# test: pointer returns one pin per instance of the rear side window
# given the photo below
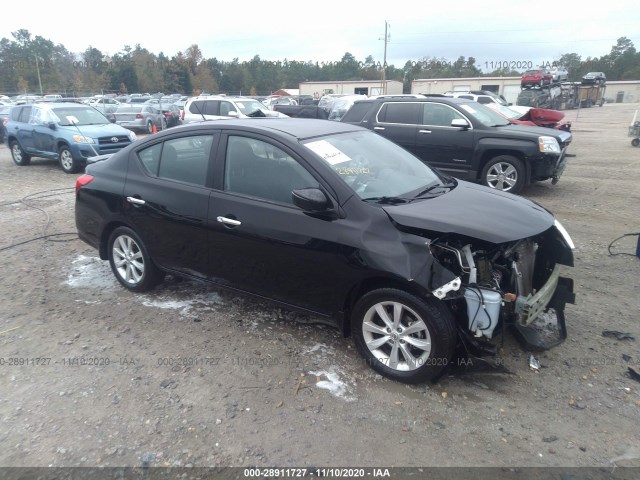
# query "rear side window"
(205, 107)
(405, 113)
(182, 159)
(484, 100)
(25, 114)
(356, 113)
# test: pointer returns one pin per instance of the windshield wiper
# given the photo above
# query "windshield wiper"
(433, 187)
(387, 200)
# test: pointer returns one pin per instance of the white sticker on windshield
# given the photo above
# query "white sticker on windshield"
(328, 152)
(71, 119)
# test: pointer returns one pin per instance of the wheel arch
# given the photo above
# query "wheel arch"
(490, 154)
(367, 285)
(106, 233)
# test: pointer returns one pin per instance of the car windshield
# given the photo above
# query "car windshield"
(79, 116)
(372, 166)
(505, 111)
(250, 106)
(532, 72)
(484, 115)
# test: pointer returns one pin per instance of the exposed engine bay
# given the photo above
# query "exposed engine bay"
(509, 284)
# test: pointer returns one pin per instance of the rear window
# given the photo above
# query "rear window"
(205, 107)
(404, 113)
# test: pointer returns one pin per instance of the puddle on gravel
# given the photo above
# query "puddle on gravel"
(201, 301)
(331, 380)
(90, 272)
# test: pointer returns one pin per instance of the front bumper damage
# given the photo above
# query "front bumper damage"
(551, 298)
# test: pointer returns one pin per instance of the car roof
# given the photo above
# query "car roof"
(426, 98)
(297, 128)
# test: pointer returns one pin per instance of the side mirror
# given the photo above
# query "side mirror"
(51, 125)
(233, 113)
(311, 200)
(460, 123)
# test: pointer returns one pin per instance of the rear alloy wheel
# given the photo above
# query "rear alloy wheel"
(401, 336)
(130, 261)
(19, 157)
(67, 163)
(149, 127)
(505, 173)
(163, 124)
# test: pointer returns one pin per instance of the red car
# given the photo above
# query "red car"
(538, 77)
(535, 117)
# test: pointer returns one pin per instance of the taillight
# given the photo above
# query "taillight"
(181, 114)
(82, 181)
(5, 121)
(139, 115)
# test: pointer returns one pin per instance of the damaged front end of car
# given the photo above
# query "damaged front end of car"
(513, 285)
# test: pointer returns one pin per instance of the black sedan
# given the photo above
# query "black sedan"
(334, 220)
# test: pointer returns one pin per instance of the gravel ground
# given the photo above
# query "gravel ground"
(190, 375)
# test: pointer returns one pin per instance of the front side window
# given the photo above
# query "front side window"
(183, 159)
(262, 170)
(438, 114)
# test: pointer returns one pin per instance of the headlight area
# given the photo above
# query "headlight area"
(83, 139)
(514, 285)
(548, 145)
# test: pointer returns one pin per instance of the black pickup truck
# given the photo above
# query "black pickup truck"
(466, 139)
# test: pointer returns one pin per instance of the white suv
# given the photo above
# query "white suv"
(216, 108)
(479, 96)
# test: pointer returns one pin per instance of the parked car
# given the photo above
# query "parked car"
(466, 139)
(105, 104)
(198, 109)
(341, 105)
(546, 97)
(333, 220)
(479, 96)
(560, 74)
(68, 132)
(537, 77)
(140, 117)
(534, 117)
(171, 113)
(327, 100)
(594, 78)
(4, 118)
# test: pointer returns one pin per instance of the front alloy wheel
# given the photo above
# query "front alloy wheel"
(402, 336)
(505, 173)
(67, 163)
(130, 262)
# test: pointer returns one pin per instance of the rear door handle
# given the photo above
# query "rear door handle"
(424, 131)
(136, 201)
(378, 128)
(229, 221)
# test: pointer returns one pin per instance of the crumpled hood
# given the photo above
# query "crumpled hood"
(477, 212)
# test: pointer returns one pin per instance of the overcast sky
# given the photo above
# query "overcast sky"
(493, 32)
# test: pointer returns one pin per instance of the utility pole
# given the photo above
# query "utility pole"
(384, 63)
(38, 70)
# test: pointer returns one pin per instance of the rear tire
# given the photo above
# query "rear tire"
(130, 261)
(402, 336)
(19, 157)
(505, 173)
(635, 142)
(149, 127)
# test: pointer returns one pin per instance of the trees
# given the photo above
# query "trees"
(139, 70)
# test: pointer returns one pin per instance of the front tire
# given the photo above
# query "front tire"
(67, 162)
(401, 336)
(19, 157)
(149, 127)
(130, 261)
(635, 142)
(505, 173)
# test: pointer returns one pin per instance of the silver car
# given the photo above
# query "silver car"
(140, 117)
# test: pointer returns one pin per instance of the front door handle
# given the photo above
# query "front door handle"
(229, 221)
(378, 128)
(424, 131)
(136, 201)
